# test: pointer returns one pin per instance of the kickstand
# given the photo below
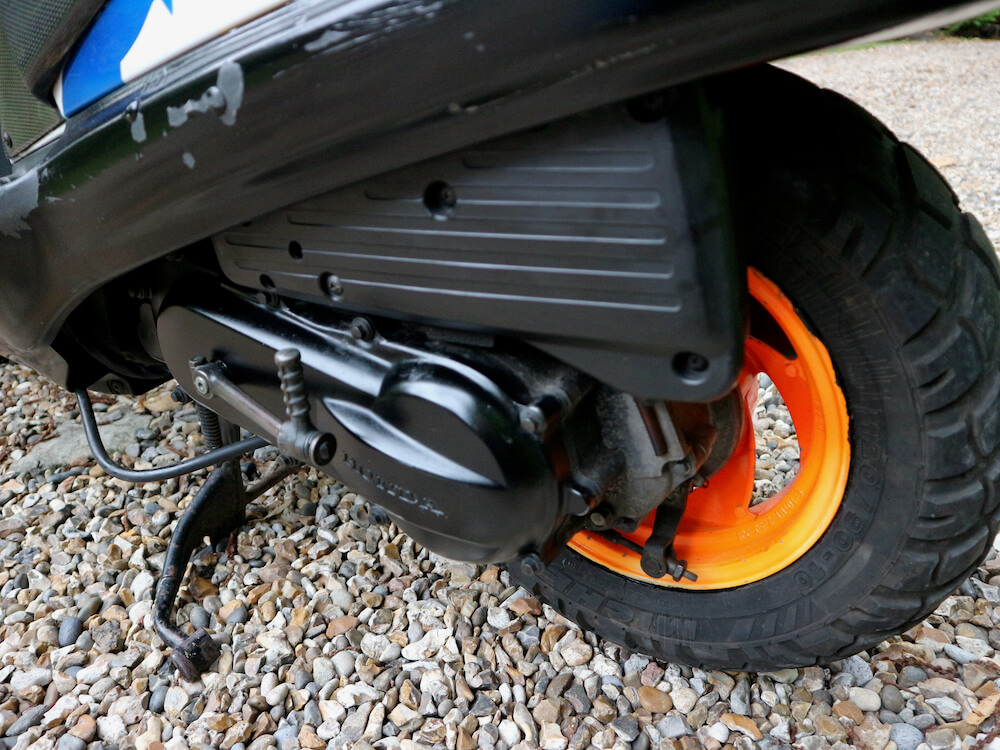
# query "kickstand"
(215, 512)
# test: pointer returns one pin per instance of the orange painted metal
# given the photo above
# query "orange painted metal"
(726, 542)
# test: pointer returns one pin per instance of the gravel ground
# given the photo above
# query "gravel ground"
(940, 96)
(340, 633)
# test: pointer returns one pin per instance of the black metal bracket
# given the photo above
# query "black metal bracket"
(658, 557)
(216, 511)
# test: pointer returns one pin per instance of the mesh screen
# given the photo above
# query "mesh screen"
(22, 116)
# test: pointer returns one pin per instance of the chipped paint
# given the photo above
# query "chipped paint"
(223, 99)
(18, 197)
(230, 81)
(188, 159)
(328, 38)
(138, 128)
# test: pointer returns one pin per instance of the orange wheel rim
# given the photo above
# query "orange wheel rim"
(726, 542)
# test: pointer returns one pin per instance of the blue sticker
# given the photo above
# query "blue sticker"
(96, 67)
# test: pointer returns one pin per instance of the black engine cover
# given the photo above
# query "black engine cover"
(436, 442)
(601, 239)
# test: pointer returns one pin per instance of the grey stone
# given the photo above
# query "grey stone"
(70, 443)
(28, 719)
(69, 630)
(905, 736)
(858, 668)
(199, 618)
(892, 699)
(157, 698)
(672, 726)
(626, 727)
(69, 742)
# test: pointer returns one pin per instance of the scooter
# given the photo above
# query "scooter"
(516, 273)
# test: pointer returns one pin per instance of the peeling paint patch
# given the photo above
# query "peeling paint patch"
(18, 198)
(138, 127)
(328, 38)
(230, 81)
(188, 159)
(212, 100)
(223, 99)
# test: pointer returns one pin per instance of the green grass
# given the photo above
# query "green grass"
(984, 25)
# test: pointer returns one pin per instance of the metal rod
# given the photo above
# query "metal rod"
(259, 488)
(212, 458)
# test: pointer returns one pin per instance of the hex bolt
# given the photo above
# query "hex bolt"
(362, 329)
(531, 564)
(180, 396)
(532, 420)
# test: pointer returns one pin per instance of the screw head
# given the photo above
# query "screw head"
(531, 564)
(132, 111)
(598, 520)
(201, 385)
(331, 285)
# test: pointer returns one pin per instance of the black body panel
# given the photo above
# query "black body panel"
(321, 94)
(576, 237)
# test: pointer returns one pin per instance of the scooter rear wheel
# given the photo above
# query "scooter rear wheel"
(863, 249)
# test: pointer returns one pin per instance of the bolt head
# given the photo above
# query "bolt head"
(532, 420)
(680, 468)
(201, 385)
(323, 450)
(531, 564)
(598, 520)
(332, 285)
(362, 329)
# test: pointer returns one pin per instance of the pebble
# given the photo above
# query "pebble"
(157, 699)
(28, 719)
(905, 736)
(866, 700)
(69, 742)
(684, 699)
(175, 701)
(69, 630)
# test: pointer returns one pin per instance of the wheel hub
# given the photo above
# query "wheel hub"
(725, 540)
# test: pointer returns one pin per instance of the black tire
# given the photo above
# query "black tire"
(867, 240)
